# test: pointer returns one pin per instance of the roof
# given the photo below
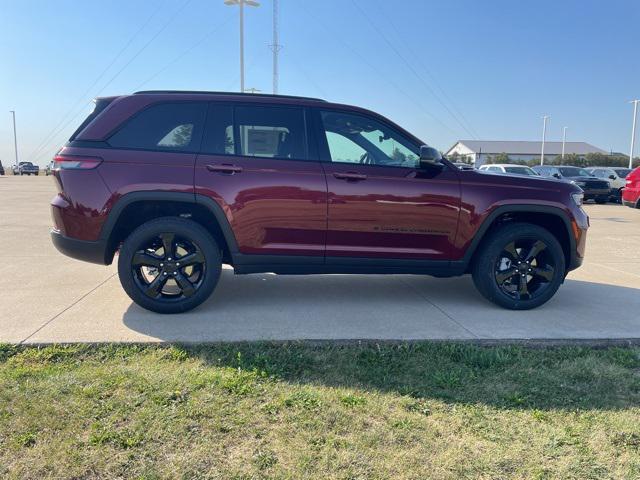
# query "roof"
(245, 94)
(528, 148)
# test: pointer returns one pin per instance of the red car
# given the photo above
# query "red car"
(180, 182)
(631, 192)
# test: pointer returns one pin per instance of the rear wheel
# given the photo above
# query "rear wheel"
(519, 267)
(169, 265)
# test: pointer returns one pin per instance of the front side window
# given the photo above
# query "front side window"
(270, 132)
(573, 172)
(167, 126)
(358, 139)
(520, 170)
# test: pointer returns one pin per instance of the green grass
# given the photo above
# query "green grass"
(244, 411)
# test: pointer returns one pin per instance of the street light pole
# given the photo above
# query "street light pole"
(544, 135)
(564, 139)
(633, 130)
(15, 137)
(242, 3)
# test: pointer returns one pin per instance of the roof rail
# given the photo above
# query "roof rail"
(200, 92)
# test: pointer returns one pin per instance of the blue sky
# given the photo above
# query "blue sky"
(443, 70)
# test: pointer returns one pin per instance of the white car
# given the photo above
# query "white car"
(508, 168)
(616, 176)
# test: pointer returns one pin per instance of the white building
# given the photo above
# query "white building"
(478, 151)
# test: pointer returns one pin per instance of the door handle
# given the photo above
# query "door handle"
(353, 176)
(224, 168)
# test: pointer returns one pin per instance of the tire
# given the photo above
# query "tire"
(156, 281)
(601, 200)
(542, 276)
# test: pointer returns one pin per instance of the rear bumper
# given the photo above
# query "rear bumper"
(93, 252)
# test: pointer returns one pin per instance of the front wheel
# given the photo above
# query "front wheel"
(519, 266)
(169, 265)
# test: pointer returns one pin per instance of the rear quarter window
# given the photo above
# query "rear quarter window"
(163, 127)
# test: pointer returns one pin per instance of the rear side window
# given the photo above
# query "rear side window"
(270, 132)
(219, 136)
(166, 126)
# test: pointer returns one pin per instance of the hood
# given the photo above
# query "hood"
(526, 181)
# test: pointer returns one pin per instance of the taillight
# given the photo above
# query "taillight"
(73, 162)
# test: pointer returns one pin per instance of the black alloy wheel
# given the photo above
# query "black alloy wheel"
(524, 269)
(519, 266)
(169, 265)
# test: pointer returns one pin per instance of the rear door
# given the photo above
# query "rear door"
(255, 163)
(381, 203)
(154, 150)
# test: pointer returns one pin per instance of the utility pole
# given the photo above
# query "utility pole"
(633, 130)
(275, 47)
(15, 137)
(564, 139)
(242, 3)
(544, 134)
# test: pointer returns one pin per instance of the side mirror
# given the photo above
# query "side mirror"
(429, 156)
(612, 177)
(557, 175)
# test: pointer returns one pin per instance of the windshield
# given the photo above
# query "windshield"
(29, 164)
(573, 172)
(622, 172)
(520, 170)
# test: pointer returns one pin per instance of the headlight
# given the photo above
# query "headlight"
(577, 198)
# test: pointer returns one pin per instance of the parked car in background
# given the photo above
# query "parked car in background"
(631, 192)
(593, 187)
(615, 176)
(15, 170)
(464, 166)
(508, 168)
(181, 182)
(48, 168)
(28, 168)
(1, 168)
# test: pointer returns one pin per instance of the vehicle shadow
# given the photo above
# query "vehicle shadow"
(399, 307)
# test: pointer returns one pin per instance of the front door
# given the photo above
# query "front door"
(381, 203)
(254, 162)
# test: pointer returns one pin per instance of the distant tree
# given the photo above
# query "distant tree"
(602, 160)
(501, 158)
(571, 159)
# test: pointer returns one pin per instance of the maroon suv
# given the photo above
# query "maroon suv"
(181, 182)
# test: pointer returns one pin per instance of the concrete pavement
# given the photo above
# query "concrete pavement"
(47, 297)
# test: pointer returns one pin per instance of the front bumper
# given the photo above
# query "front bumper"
(590, 193)
(92, 252)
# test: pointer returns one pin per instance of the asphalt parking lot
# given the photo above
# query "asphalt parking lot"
(47, 297)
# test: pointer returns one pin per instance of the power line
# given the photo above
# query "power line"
(54, 131)
(410, 67)
(186, 51)
(144, 47)
(136, 55)
(430, 75)
(380, 73)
